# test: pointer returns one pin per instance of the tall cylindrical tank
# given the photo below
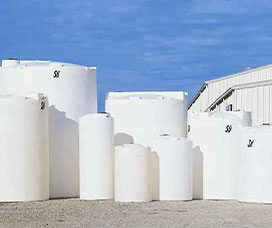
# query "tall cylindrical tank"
(24, 155)
(171, 168)
(254, 164)
(71, 91)
(139, 118)
(215, 142)
(96, 155)
(132, 173)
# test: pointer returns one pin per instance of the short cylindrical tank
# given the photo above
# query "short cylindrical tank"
(254, 164)
(244, 118)
(24, 155)
(132, 173)
(215, 142)
(139, 118)
(71, 91)
(96, 155)
(10, 62)
(171, 168)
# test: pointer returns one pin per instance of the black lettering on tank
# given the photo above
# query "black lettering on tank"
(250, 143)
(228, 128)
(56, 74)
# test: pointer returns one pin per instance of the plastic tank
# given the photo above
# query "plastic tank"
(243, 117)
(71, 91)
(96, 153)
(171, 168)
(132, 173)
(140, 117)
(24, 155)
(215, 143)
(254, 169)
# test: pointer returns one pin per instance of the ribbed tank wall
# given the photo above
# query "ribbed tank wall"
(171, 168)
(96, 150)
(141, 118)
(71, 91)
(254, 165)
(215, 142)
(24, 154)
(132, 173)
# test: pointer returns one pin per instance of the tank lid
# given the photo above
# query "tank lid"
(165, 135)
(36, 63)
(95, 115)
(132, 145)
(165, 138)
(145, 97)
(10, 62)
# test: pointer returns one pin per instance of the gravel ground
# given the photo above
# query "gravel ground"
(78, 213)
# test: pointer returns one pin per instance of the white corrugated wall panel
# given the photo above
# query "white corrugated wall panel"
(244, 99)
(255, 106)
(261, 104)
(270, 105)
(266, 109)
(204, 100)
(248, 100)
(217, 88)
(255, 76)
(269, 73)
(210, 93)
(238, 100)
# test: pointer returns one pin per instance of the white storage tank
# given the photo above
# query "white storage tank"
(171, 168)
(132, 173)
(71, 91)
(244, 118)
(96, 154)
(254, 167)
(215, 143)
(140, 117)
(24, 155)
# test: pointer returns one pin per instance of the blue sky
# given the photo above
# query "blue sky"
(141, 44)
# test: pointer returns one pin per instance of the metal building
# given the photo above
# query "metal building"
(249, 90)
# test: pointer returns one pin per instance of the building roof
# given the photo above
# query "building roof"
(238, 74)
(203, 87)
(230, 91)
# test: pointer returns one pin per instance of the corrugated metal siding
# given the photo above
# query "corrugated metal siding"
(257, 100)
(217, 87)
(266, 114)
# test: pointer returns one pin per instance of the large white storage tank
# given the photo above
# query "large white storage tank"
(96, 155)
(132, 173)
(171, 168)
(254, 167)
(215, 142)
(71, 91)
(140, 117)
(24, 155)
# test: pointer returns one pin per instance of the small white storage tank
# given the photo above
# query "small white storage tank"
(96, 154)
(244, 118)
(215, 142)
(24, 155)
(255, 169)
(171, 168)
(140, 117)
(71, 91)
(132, 173)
